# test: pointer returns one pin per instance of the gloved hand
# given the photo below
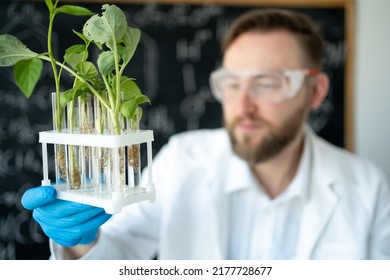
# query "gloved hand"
(67, 223)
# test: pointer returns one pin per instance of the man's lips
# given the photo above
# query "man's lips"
(249, 125)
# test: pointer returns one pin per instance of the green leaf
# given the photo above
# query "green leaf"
(140, 112)
(130, 89)
(142, 99)
(100, 46)
(66, 97)
(69, 95)
(78, 84)
(128, 108)
(49, 4)
(74, 10)
(130, 41)
(106, 62)
(27, 74)
(13, 50)
(74, 55)
(87, 70)
(85, 94)
(109, 28)
(81, 36)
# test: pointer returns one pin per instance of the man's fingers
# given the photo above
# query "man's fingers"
(36, 197)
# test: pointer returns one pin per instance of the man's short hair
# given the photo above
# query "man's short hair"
(265, 20)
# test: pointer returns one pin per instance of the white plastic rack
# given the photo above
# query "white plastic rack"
(113, 201)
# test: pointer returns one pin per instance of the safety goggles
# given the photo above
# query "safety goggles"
(265, 86)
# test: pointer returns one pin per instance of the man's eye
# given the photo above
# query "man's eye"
(231, 85)
(267, 83)
(267, 86)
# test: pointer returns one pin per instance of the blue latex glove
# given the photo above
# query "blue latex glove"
(67, 223)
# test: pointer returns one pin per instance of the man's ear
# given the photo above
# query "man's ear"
(320, 87)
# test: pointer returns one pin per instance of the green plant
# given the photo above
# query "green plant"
(118, 94)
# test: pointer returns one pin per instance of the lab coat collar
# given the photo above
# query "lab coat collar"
(239, 176)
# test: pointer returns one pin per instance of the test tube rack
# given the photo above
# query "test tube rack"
(112, 201)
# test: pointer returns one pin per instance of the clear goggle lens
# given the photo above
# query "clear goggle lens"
(268, 86)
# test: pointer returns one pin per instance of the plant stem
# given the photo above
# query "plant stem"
(81, 79)
(54, 68)
(115, 121)
(109, 92)
(117, 127)
(70, 116)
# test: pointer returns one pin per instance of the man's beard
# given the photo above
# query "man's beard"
(271, 144)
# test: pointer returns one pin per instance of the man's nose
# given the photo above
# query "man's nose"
(246, 101)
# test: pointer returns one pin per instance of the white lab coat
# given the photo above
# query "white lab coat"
(346, 215)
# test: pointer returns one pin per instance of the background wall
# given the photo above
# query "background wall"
(372, 82)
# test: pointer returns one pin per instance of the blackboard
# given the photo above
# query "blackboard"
(179, 48)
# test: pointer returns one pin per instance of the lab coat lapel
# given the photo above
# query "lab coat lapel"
(218, 217)
(195, 228)
(320, 201)
(212, 240)
(318, 210)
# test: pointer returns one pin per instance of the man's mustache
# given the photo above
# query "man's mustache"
(249, 118)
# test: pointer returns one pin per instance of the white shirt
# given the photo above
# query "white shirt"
(264, 228)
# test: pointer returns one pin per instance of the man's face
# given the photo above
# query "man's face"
(260, 130)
